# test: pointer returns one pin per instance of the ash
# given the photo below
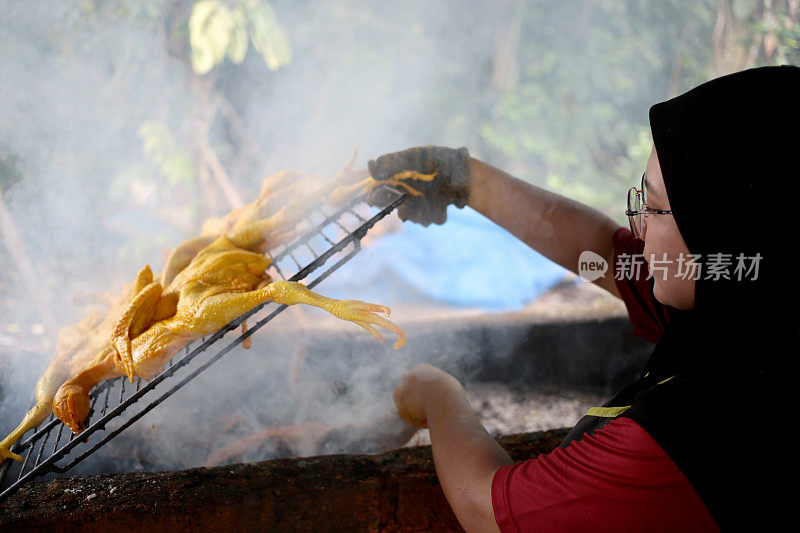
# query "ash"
(504, 410)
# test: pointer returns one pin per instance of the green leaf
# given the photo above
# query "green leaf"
(202, 57)
(237, 48)
(266, 34)
(210, 27)
(277, 52)
(218, 32)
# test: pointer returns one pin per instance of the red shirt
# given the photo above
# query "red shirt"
(617, 478)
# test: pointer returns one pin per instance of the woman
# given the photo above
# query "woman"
(705, 439)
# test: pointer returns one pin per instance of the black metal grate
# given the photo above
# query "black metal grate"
(334, 238)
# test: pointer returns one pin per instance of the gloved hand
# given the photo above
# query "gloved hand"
(449, 186)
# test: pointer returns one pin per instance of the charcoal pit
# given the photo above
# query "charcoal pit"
(395, 491)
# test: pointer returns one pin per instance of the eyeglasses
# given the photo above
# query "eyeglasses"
(637, 209)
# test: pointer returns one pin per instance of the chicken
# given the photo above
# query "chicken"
(222, 282)
(84, 342)
(207, 281)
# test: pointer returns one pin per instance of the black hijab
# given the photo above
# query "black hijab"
(729, 153)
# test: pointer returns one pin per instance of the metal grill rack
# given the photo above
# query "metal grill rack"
(334, 238)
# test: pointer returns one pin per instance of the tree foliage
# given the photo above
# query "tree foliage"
(217, 31)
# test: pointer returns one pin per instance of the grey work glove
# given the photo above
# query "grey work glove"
(450, 186)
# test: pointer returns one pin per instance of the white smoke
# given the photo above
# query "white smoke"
(78, 80)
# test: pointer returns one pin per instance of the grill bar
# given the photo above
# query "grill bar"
(108, 413)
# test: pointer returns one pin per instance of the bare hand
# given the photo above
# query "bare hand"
(418, 391)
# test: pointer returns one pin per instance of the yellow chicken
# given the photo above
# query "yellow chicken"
(209, 280)
(222, 282)
(76, 347)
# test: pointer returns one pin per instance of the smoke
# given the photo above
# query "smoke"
(92, 204)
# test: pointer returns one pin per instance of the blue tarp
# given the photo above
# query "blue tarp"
(469, 261)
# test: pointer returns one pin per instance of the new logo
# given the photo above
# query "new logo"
(591, 266)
